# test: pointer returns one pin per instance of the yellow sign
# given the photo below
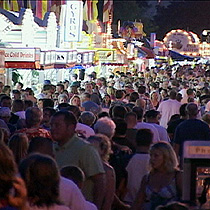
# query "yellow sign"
(106, 55)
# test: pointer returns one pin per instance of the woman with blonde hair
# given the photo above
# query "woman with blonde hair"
(103, 145)
(164, 182)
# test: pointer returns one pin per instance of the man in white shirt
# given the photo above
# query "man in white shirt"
(142, 125)
(138, 164)
(152, 117)
(168, 108)
(84, 131)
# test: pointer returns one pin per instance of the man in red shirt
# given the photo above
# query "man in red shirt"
(33, 120)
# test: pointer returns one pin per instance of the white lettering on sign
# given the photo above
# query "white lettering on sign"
(47, 58)
(13, 55)
(85, 58)
(79, 58)
(42, 57)
(53, 57)
(74, 56)
(70, 57)
(73, 21)
(90, 57)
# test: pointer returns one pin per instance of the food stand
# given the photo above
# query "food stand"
(196, 176)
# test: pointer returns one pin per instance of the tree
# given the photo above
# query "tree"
(125, 10)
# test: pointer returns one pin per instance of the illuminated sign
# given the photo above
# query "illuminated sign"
(196, 149)
(47, 58)
(42, 57)
(106, 55)
(72, 57)
(73, 21)
(79, 58)
(20, 55)
(85, 58)
(91, 57)
(183, 42)
(199, 150)
(61, 57)
(86, 41)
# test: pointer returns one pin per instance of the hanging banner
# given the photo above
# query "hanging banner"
(73, 21)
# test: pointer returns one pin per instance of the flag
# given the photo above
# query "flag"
(14, 5)
(39, 8)
(20, 4)
(95, 10)
(107, 10)
(6, 5)
(33, 6)
(87, 11)
(42, 6)
(90, 10)
(29, 6)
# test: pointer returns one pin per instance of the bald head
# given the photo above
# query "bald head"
(33, 117)
(192, 110)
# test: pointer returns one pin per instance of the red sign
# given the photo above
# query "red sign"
(23, 65)
(22, 58)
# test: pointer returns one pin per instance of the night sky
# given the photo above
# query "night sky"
(163, 16)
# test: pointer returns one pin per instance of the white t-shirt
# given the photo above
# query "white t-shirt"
(162, 132)
(137, 167)
(167, 109)
(85, 130)
(143, 125)
(71, 195)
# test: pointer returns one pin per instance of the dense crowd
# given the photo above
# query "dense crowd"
(102, 143)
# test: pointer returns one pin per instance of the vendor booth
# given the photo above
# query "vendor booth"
(196, 177)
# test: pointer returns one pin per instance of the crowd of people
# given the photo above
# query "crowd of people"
(102, 143)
